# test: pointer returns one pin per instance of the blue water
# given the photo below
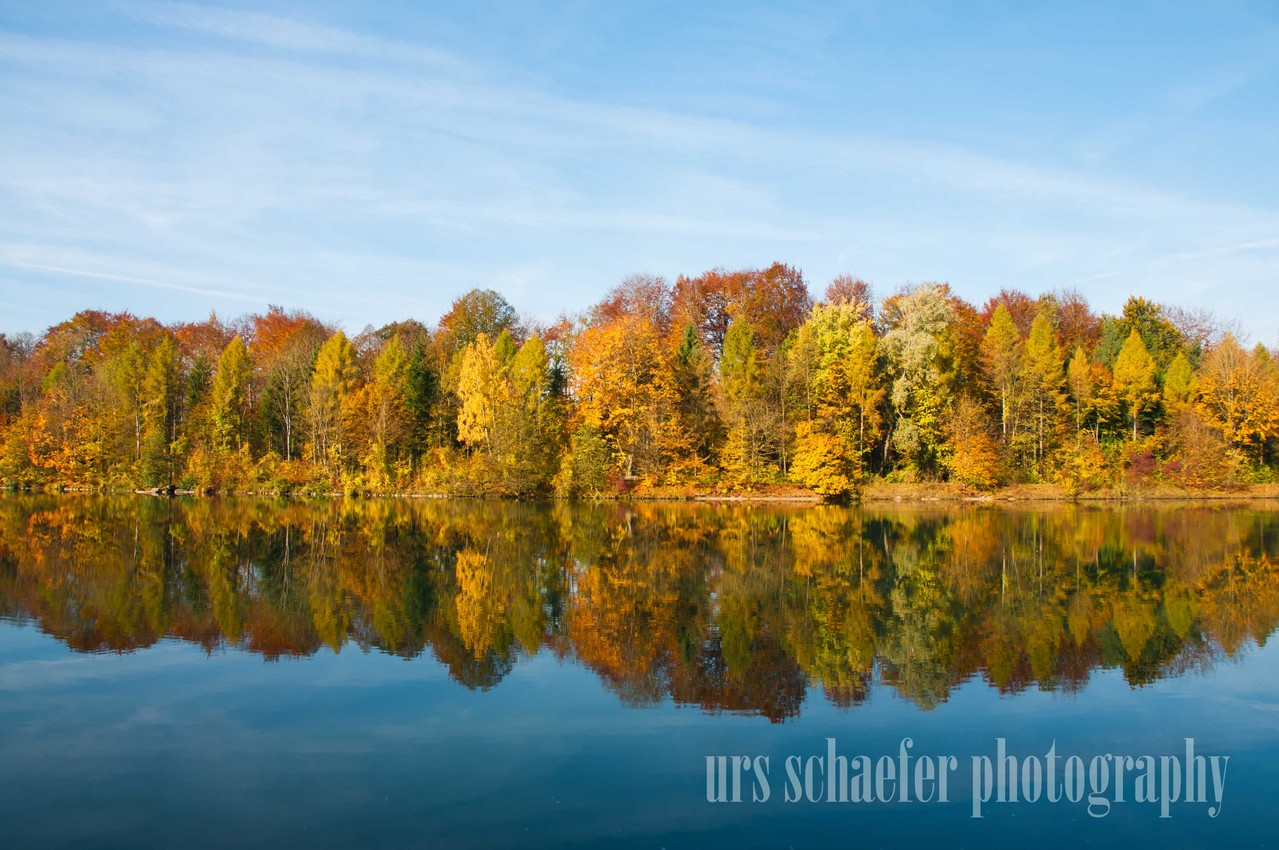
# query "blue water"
(515, 676)
(169, 747)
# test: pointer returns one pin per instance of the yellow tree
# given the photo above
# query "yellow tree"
(229, 395)
(1079, 379)
(1240, 393)
(480, 384)
(973, 456)
(846, 386)
(510, 412)
(386, 410)
(839, 349)
(1179, 385)
(623, 387)
(1043, 381)
(824, 461)
(1001, 354)
(534, 419)
(331, 382)
(1135, 377)
(162, 400)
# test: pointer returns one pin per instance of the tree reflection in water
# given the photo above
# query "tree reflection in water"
(739, 609)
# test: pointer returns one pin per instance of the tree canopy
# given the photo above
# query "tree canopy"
(720, 381)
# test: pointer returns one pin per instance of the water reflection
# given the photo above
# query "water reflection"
(728, 608)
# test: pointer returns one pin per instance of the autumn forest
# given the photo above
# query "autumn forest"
(726, 382)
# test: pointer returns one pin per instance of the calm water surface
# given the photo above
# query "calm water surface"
(217, 673)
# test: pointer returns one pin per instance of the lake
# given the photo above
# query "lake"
(430, 673)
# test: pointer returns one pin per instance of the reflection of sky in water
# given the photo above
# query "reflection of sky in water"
(168, 747)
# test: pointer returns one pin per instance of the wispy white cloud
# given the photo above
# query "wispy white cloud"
(259, 157)
(285, 33)
(1079, 281)
(119, 278)
(1188, 95)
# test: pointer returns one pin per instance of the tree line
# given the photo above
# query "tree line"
(723, 381)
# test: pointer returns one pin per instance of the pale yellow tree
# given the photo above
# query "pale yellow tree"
(1043, 382)
(1179, 385)
(479, 390)
(1001, 355)
(331, 383)
(1135, 378)
(1079, 379)
(386, 411)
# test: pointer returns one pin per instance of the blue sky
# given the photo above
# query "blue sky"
(370, 162)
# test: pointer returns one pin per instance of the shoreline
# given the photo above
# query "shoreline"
(876, 493)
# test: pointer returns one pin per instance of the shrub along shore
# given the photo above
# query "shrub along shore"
(871, 492)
